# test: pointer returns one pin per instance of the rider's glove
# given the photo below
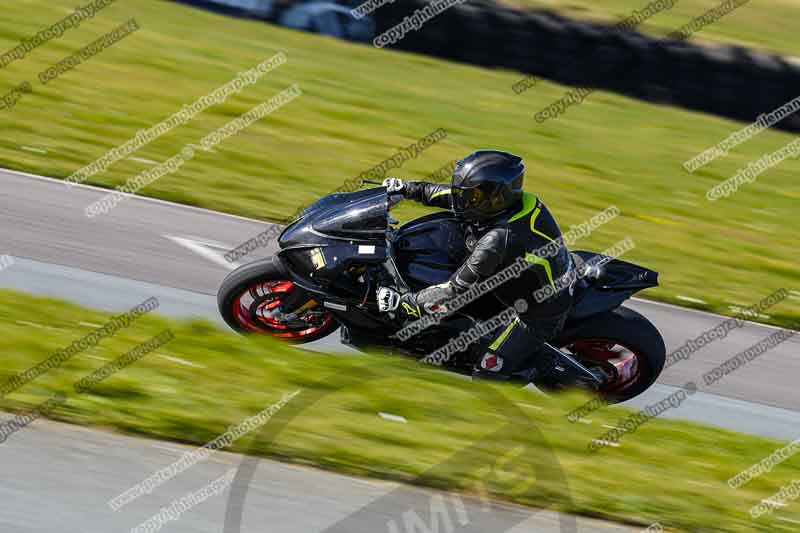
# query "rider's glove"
(393, 185)
(388, 299)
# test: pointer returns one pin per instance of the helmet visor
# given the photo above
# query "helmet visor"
(480, 199)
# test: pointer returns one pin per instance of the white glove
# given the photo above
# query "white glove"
(393, 185)
(388, 299)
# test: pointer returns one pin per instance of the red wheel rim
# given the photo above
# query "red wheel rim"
(259, 308)
(624, 364)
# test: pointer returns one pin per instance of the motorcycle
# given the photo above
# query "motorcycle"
(343, 247)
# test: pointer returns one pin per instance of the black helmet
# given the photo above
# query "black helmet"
(486, 183)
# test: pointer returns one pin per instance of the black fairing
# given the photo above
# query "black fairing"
(607, 286)
(335, 235)
(429, 249)
(359, 216)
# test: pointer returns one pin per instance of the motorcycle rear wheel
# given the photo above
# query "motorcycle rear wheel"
(625, 344)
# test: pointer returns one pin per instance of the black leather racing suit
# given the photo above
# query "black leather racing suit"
(498, 243)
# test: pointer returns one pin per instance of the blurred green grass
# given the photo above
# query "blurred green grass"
(361, 104)
(764, 24)
(668, 471)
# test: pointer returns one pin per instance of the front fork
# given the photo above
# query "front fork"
(294, 304)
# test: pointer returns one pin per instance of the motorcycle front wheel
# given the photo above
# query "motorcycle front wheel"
(259, 298)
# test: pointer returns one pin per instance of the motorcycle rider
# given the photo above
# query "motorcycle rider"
(502, 224)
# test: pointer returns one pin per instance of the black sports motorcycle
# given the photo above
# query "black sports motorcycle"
(343, 247)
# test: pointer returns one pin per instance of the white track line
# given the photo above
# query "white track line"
(35, 325)
(35, 150)
(171, 449)
(202, 248)
(393, 418)
(707, 313)
(179, 361)
(690, 299)
(140, 160)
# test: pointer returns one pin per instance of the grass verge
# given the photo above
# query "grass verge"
(191, 389)
(360, 105)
